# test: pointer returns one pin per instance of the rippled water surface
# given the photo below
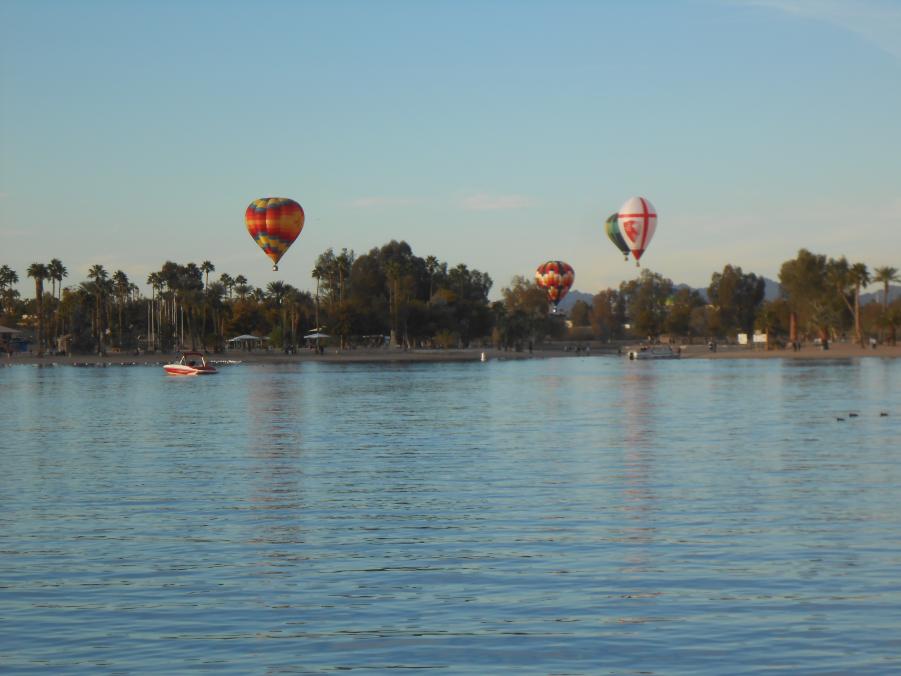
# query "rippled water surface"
(573, 515)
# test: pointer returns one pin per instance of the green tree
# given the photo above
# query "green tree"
(860, 277)
(681, 305)
(121, 289)
(803, 281)
(526, 314)
(57, 272)
(431, 265)
(580, 314)
(885, 275)
(276, 292)
(38, 272)
(8, 279)
(735, 297)
(847, 280)
(646, 302)
(207, 267)
(773, 318)
(228, 283)
(608, 314)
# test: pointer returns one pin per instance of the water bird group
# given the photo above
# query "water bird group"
(882, 414)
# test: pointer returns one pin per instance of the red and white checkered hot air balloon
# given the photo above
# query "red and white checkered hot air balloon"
(555, 277)
(637, 223)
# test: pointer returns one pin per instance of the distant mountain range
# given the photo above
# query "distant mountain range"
(772, 291)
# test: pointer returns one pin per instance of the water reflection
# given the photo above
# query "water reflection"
(447, 515)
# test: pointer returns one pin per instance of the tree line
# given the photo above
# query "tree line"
(389, 294)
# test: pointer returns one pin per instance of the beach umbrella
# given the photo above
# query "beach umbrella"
(637, 223)
(274, 223)
(556, 278)
(611, 227)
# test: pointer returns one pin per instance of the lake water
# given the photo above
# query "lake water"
(579, 516)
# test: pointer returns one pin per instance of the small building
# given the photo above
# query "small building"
(759, 338)
(246, 342)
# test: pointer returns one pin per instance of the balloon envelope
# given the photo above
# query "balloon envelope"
(637, 223)
(611, 227)
(555, 277)
(274, 223)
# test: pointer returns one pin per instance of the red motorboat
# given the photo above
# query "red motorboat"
(190, 364)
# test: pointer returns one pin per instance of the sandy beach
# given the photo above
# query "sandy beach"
(396, 355)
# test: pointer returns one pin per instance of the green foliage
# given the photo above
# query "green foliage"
(423, 301)
(735, 297)
(682, 307)
(580, 314)
(646, 302)
(608, 315)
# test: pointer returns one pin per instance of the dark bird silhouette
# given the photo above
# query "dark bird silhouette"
(882, 414)
(852, 415)
(839, 418)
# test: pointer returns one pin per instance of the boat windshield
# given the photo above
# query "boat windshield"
(191, 360)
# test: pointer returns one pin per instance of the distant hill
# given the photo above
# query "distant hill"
(894, 292)
(570, 299)
(772, 291)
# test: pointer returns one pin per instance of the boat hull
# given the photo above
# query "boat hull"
(182, 370)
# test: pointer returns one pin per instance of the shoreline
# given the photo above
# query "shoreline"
(396, 355)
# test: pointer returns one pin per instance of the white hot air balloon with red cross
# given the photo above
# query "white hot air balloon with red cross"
(637, 223)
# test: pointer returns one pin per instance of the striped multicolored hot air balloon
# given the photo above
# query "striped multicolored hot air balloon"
(611, 227)
(637, 223)
(555, 277)
(274, 223)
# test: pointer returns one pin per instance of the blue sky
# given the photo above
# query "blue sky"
(499, 134)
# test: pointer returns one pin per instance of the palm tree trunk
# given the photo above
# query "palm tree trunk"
(39, 309)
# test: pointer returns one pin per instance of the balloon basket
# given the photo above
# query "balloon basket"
(274, 268)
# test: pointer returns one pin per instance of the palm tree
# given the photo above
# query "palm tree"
(8, 279)
(155, 281)
(206, 267)
(212, 299)
(227, 283)
(38, 272)
(392, 273)
(885, 276)
(57, 271)
(277, 291)
(318, 274)
(121, 287)
(859, 276)
(843, 277)
(241, 286)
(344, 262)
(431, 265)
(100, 277)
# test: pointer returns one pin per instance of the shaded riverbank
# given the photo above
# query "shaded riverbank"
(389, 355)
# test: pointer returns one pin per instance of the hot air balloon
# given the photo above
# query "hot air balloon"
(274, 223)
(637, 222)
(611, 227)
(555, 277)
